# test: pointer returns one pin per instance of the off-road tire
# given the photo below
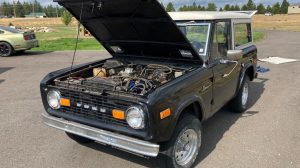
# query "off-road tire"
(166, 157)
(236, 103)
(5, 49)
(79, 139)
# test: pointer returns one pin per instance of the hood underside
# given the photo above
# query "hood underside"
(139, 28)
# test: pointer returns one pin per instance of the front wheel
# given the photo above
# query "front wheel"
(239, 103)
(183, 148)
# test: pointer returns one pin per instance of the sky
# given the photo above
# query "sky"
(178, 3)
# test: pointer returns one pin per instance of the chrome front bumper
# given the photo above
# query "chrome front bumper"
(116, 140)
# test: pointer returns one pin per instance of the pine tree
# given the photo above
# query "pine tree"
(170, 7)
(19, 9)
(261, 9)
(66, 18)
(244, 8)
(251, 5)
(276, 8)
(269, 9)
(237, 7)
(284, 7)
(227, 7)
(211, 7)
(232, 8)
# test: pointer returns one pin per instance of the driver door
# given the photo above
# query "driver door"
(224, 87)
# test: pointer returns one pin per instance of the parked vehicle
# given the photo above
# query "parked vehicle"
(14, 40)
(268, 14)
(169, 73)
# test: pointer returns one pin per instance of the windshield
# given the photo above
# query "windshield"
(197, 34)
(11, 30)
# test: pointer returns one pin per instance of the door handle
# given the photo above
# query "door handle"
(206, 86)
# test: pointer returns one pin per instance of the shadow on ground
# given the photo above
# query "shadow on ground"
(4, 69)
(213, 131)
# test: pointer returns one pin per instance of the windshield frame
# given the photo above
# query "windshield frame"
(193, 23)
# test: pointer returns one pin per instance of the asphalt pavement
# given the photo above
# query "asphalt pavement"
(267, 135)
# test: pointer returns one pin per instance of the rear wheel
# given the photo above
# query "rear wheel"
(183, 148)
(5, 49)
(239, 104)
(79, 139)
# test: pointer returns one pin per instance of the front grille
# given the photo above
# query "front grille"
(93, 107)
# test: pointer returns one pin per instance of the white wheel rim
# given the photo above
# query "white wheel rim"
(245, 94)
(186, 147)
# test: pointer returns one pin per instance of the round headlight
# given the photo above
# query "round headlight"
(53, 98)
(135, 118)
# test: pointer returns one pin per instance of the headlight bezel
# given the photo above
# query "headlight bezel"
(141, 113)
(57, 95)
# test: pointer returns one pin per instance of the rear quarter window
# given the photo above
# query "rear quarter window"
(11, 30)
(242, 34)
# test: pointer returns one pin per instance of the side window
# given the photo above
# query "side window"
(242, 34)
(221, 40)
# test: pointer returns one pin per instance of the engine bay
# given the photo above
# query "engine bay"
(121, 76)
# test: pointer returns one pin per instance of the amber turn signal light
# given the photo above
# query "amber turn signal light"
(166, 113)
(118, 114)
(65, 102)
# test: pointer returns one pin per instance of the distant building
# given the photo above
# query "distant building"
(36, 15)
(294, 9)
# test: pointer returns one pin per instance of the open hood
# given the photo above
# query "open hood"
(139, 28)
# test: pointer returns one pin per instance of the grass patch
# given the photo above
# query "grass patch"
(64, 38)
(258, 36)
(68, 44)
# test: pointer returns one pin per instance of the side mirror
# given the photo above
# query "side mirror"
(234, 55)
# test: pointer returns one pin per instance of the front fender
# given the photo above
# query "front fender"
(187, 102)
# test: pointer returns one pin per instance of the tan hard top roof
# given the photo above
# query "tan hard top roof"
(210, 15)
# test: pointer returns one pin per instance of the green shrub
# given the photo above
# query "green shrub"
(66, 18)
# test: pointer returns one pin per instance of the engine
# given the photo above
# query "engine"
(115, 75)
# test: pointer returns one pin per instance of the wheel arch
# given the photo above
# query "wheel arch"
(5, 41)
(248, 70)
(193, 107)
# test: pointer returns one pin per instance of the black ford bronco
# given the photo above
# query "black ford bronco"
(169, 72)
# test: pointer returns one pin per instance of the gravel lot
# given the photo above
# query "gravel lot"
(267, 135)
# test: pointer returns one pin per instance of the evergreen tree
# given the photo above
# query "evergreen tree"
(276, 8)
(27, 8)
(269, 9)
(37, 6)
(221, 9)
(251, 5)
(261, 9)
(284, 7)
(244, 8)
(19, 9)
(194, 7)
(232, 8)
(237, 7)
(66, 17)
(211, 7)
(170, 7)
(7, 9)
(227, 7)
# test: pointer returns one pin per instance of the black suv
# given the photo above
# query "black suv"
(169, 72)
